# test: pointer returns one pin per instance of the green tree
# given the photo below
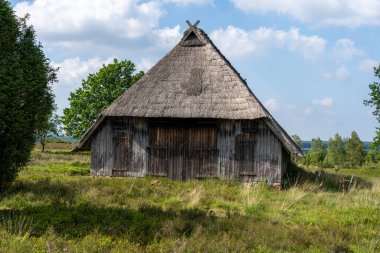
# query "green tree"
(336, 152)
(374, 101)
(98, 91)
(355, 150)
(25, 91)
(48, 129)
(316, 154)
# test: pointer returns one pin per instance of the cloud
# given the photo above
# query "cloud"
(91, 19)
(345, 49)
(271, 104)
(72, 71)
(189, 2)
(327, 101)
(368, 64)
(236, 42)
(168, 36)
(349, 13)
(340, 74)
(145, 64)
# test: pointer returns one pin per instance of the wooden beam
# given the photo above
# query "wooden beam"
(194, 30)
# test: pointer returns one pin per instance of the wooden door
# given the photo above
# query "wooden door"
(244, 148)
(202, 155)
(183, 152)
(122, 153)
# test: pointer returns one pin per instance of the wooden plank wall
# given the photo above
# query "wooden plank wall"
(183, 151)
(268, 152)
(102, 150)
(270, 158)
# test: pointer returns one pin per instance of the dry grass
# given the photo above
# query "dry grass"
(60, 208)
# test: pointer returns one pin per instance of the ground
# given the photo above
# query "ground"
(56, 206)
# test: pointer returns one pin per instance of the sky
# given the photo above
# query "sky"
(308, 61)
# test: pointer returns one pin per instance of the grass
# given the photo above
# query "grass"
(55, 206)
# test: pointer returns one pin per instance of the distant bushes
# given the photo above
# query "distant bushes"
(341, 152)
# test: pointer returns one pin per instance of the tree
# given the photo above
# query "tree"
(336, 152)
(316, 154)
(98, 91)
(355, 150)
(25, 91)
(48, 129)
(374, 101)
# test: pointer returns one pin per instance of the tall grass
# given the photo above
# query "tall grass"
(55, 206)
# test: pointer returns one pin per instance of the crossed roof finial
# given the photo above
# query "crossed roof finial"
(194, 25)
(193, 28)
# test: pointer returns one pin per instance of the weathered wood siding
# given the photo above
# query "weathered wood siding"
(244, 150)
(102, 150)
(250, 151)
(183, 151)
(119, 148)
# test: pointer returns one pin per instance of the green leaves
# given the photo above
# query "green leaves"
(374, 101)
(98, 91)
(26, 99)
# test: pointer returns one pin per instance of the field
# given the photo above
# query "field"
(55, 206)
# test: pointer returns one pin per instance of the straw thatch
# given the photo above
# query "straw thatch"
(194, 80)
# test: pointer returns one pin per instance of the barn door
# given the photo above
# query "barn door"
(122, 153)
(183, 152)
(158, 151)
(201, 156)
(244, 148)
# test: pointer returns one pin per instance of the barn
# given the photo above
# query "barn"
(191, 116)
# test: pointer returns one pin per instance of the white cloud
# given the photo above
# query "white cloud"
(73, 71)
(145, 64)
(368, 64)
(345, 49)
(91, 19)
(327, 101)
(271, 104)
(350, 13)
(168, 36)
(235, 41)
(339, 74)
(189, 2)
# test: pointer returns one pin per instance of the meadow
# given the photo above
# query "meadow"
(56, 206)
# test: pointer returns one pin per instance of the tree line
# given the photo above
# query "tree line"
(340, 152)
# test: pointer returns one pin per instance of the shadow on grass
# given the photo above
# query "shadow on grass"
(297, 175)
(142, 226)
(150, 223)
(70, 219)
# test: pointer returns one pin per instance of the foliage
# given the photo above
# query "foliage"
(355, 150)
(336, 152)
(316, 154)
(48, 129)
(51, 209)
(98, 91)
(25, 93)
(374, 101)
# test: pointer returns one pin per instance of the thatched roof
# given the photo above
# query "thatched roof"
(194, 80)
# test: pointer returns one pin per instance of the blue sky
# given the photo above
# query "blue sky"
(309, 61)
